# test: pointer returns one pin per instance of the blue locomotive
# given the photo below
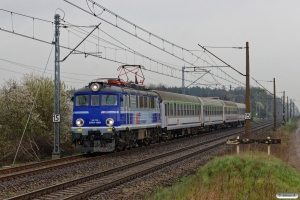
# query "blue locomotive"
(109, 115)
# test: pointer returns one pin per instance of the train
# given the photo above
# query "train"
(112, 115)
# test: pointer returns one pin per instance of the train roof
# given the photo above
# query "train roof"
(240, 105)
(229, 103)
(175, 97)
(210, 101)
(117, 89)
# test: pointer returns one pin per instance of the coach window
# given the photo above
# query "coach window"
(151, 102)
(166, 109)
(82, 100)
(170, 109)
(133, 101)
(187, 109)
(141, 102)
(145, 102)
(95, 100)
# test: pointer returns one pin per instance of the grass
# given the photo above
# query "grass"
(250, 175)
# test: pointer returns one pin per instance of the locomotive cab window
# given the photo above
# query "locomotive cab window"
(109, 100)
(82, 100)
(95, 100)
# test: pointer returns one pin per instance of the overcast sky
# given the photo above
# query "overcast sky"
(270, 26)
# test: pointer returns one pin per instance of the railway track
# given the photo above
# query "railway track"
(87, 186)
(42, 167)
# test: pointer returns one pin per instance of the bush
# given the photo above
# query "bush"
(16, 101)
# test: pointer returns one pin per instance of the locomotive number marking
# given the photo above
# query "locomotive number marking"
(109, 129)
(79, 129)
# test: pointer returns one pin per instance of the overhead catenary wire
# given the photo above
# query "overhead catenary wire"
(39, 69)
(132, 51)
(87, 53)
(114, 60)
(26, 16)
(150, 34)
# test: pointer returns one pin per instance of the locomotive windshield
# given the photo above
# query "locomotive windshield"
(95, 100)
(109, 100)
(82, 100)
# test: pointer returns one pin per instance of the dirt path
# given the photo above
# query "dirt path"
(294, 148)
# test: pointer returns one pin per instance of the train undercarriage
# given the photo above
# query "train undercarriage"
(124, 140)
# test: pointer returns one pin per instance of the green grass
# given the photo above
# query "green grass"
(289, 127)
(252, 174)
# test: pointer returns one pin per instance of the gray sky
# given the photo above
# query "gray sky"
(270, 27)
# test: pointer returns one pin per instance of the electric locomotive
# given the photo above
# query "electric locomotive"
(109, 116)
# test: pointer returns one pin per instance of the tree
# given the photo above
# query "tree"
(16, 101)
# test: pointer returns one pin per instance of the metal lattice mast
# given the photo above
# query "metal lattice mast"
(56, 114)
(275, 110)
(291, 103)
(183, 86)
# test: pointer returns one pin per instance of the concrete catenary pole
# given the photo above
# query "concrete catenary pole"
(267, 108)
(274, 112)
(294, 108)
(283, 106)
(56, 114)
(248, 125)
(287, 109)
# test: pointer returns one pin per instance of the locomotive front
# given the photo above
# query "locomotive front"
(96, 113)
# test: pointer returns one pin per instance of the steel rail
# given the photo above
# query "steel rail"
(32, 169)
(61, 186)
(35, 168)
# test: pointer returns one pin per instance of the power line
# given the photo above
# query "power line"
(226, 47)
(26, 16)
(133, 51)
(136, 53)
(135, 35)
(150, 34)
(36, 69)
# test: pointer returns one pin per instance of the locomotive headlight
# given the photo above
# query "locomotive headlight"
(109, 122)
(79, 122)
(95, 87)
